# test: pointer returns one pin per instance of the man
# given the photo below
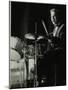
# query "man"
(57, 37)
(54, 59)
(56, 55)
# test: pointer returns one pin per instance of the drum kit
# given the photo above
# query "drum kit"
(33, 41)
(33, 48)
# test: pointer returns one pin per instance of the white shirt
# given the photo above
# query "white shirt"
(55, 31)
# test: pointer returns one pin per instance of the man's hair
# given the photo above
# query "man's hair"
(57, 12)
(52, 10)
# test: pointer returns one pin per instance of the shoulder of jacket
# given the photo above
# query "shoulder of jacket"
(61, 27)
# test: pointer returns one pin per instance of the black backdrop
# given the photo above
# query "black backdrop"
(24, 15)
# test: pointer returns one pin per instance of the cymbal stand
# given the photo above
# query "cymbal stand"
(35, 59)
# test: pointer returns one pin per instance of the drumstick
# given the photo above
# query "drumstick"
(45, 27)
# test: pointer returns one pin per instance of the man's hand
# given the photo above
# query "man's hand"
(51, 43)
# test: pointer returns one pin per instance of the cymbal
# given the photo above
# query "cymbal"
(30, 36)
(40, 37)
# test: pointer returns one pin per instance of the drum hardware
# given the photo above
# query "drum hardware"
(38, 41)
(29, 54)
(35, 59)
(30, 36)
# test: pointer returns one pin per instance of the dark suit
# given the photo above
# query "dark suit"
(57, 37)
(53, 65)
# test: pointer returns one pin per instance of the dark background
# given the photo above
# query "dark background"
(25, 15)
(23, 19)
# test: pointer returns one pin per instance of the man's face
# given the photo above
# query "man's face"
(53, 17)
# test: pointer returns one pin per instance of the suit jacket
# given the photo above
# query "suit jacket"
(57, 37)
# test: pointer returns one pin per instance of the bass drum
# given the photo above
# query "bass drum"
(17, 70)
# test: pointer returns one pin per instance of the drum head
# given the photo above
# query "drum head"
(13, 41)
(14, 55)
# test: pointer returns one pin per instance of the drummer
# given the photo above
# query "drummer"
(54, 58)
(57, 36)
